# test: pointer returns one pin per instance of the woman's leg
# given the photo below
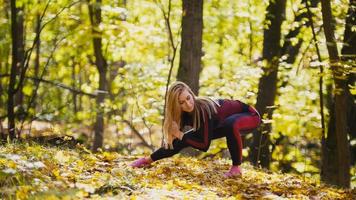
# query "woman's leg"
(232, 127)
(161, 153)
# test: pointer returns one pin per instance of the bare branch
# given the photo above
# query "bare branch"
(132, 127)
(166, 17)
(60, 85)
(321, 69)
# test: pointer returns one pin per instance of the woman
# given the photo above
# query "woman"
(208, 120)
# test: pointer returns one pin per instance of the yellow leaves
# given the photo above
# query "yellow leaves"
(180, 183)
(183, 184)
(107, 174)
(56, 174)
(165, 170)
(61, 157)
(169, 185)
(11, 164)
(27, 90)
(81, 194)
(108, 157)
(352, 89)
(133, 198)
(86, 187)
(23, 192)
(117, 172)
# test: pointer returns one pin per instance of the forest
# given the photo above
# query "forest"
(84, 83)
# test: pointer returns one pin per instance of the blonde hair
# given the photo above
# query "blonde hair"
(202, 106)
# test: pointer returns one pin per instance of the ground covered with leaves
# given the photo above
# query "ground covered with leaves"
(32, 171)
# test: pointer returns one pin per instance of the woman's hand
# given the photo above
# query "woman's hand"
(175, 131)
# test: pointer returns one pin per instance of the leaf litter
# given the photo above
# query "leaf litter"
(33, 171)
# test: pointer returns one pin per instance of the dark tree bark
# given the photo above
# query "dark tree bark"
(4, 64)
(260, 153)
(337, 134)
(37, 58)
(19, 96)
(74, 85)
(16, 65)
(101, 65)
(348, 53)
(328, 169)
(191, 47)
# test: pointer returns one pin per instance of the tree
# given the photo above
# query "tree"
(37, 57)
(335, 170)
(191, 47)
(267, 86)
(17, 65)
(101, 65)
(348, 53)
(5, 52)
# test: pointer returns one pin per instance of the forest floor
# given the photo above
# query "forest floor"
(34, 171)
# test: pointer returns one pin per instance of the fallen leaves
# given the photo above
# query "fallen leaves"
(35, 171)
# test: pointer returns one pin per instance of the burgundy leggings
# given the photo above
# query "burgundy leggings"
(232, 128)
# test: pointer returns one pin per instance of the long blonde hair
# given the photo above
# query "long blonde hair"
(202, 106)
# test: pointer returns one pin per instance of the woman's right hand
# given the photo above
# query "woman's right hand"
(175, 131)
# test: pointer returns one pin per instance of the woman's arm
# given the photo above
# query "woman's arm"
(201, 138)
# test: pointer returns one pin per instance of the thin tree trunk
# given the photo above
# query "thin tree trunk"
(37, 58)
(101, 65)
(1, 89)
(19, 96)
(80, 104)
(260, 153)
(339, 109)
(2, 132)
(74, 85)
(17, 63)
(4, 63)
(191, 47)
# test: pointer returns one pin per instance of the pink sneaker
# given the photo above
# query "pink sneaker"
(235, 171)
(141, 162)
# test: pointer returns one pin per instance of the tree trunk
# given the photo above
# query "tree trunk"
(37, 58)
(19, 96)
(191, 47)
(339, 132)
(80, 102)
(16, 63)
(101, 65)
(74, 85)
(260, 153)
(348, 53)
(329, 147)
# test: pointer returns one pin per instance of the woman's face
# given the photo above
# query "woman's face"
(186, 101)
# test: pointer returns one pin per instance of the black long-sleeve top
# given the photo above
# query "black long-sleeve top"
(201, 138)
